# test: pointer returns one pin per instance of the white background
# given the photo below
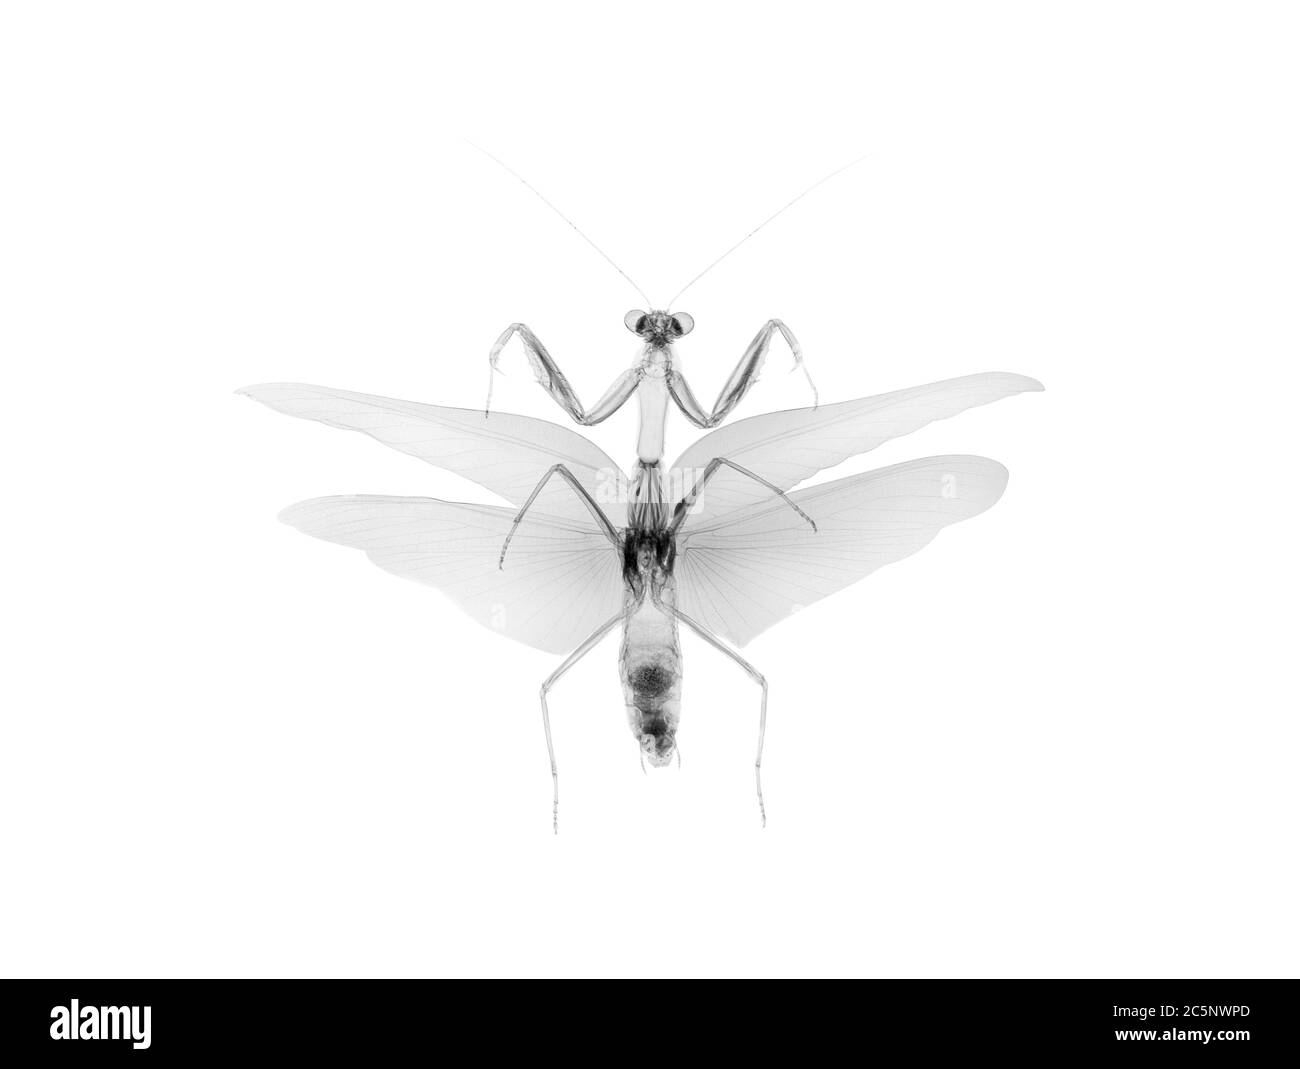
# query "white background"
(1061, 741)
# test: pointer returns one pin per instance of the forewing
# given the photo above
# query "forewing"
(739, 574)
(561, 578)
(508, 454)
(789, 447)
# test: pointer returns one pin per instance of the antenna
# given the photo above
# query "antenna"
(764, 223)
(510, 170)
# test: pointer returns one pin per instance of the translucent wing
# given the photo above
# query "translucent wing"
(508, 454)
(739, 574)
(788, 447)
(561, 578)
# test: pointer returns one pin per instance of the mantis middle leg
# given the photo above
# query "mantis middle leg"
(597, 513)
(684, 506)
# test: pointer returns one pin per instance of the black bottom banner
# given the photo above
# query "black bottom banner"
(367, 1020)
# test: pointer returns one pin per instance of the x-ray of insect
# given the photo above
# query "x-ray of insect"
(720, 541)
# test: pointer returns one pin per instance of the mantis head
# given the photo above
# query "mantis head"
(658, 328)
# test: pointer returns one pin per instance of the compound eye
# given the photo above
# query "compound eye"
(682, 323)
(635, 321)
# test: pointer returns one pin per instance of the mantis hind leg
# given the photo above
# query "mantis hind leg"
(551, 680)
(757, 677)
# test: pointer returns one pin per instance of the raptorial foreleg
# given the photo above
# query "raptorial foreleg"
(553, 380)
(745, 375)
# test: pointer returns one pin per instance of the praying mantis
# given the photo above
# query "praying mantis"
(719, 542)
